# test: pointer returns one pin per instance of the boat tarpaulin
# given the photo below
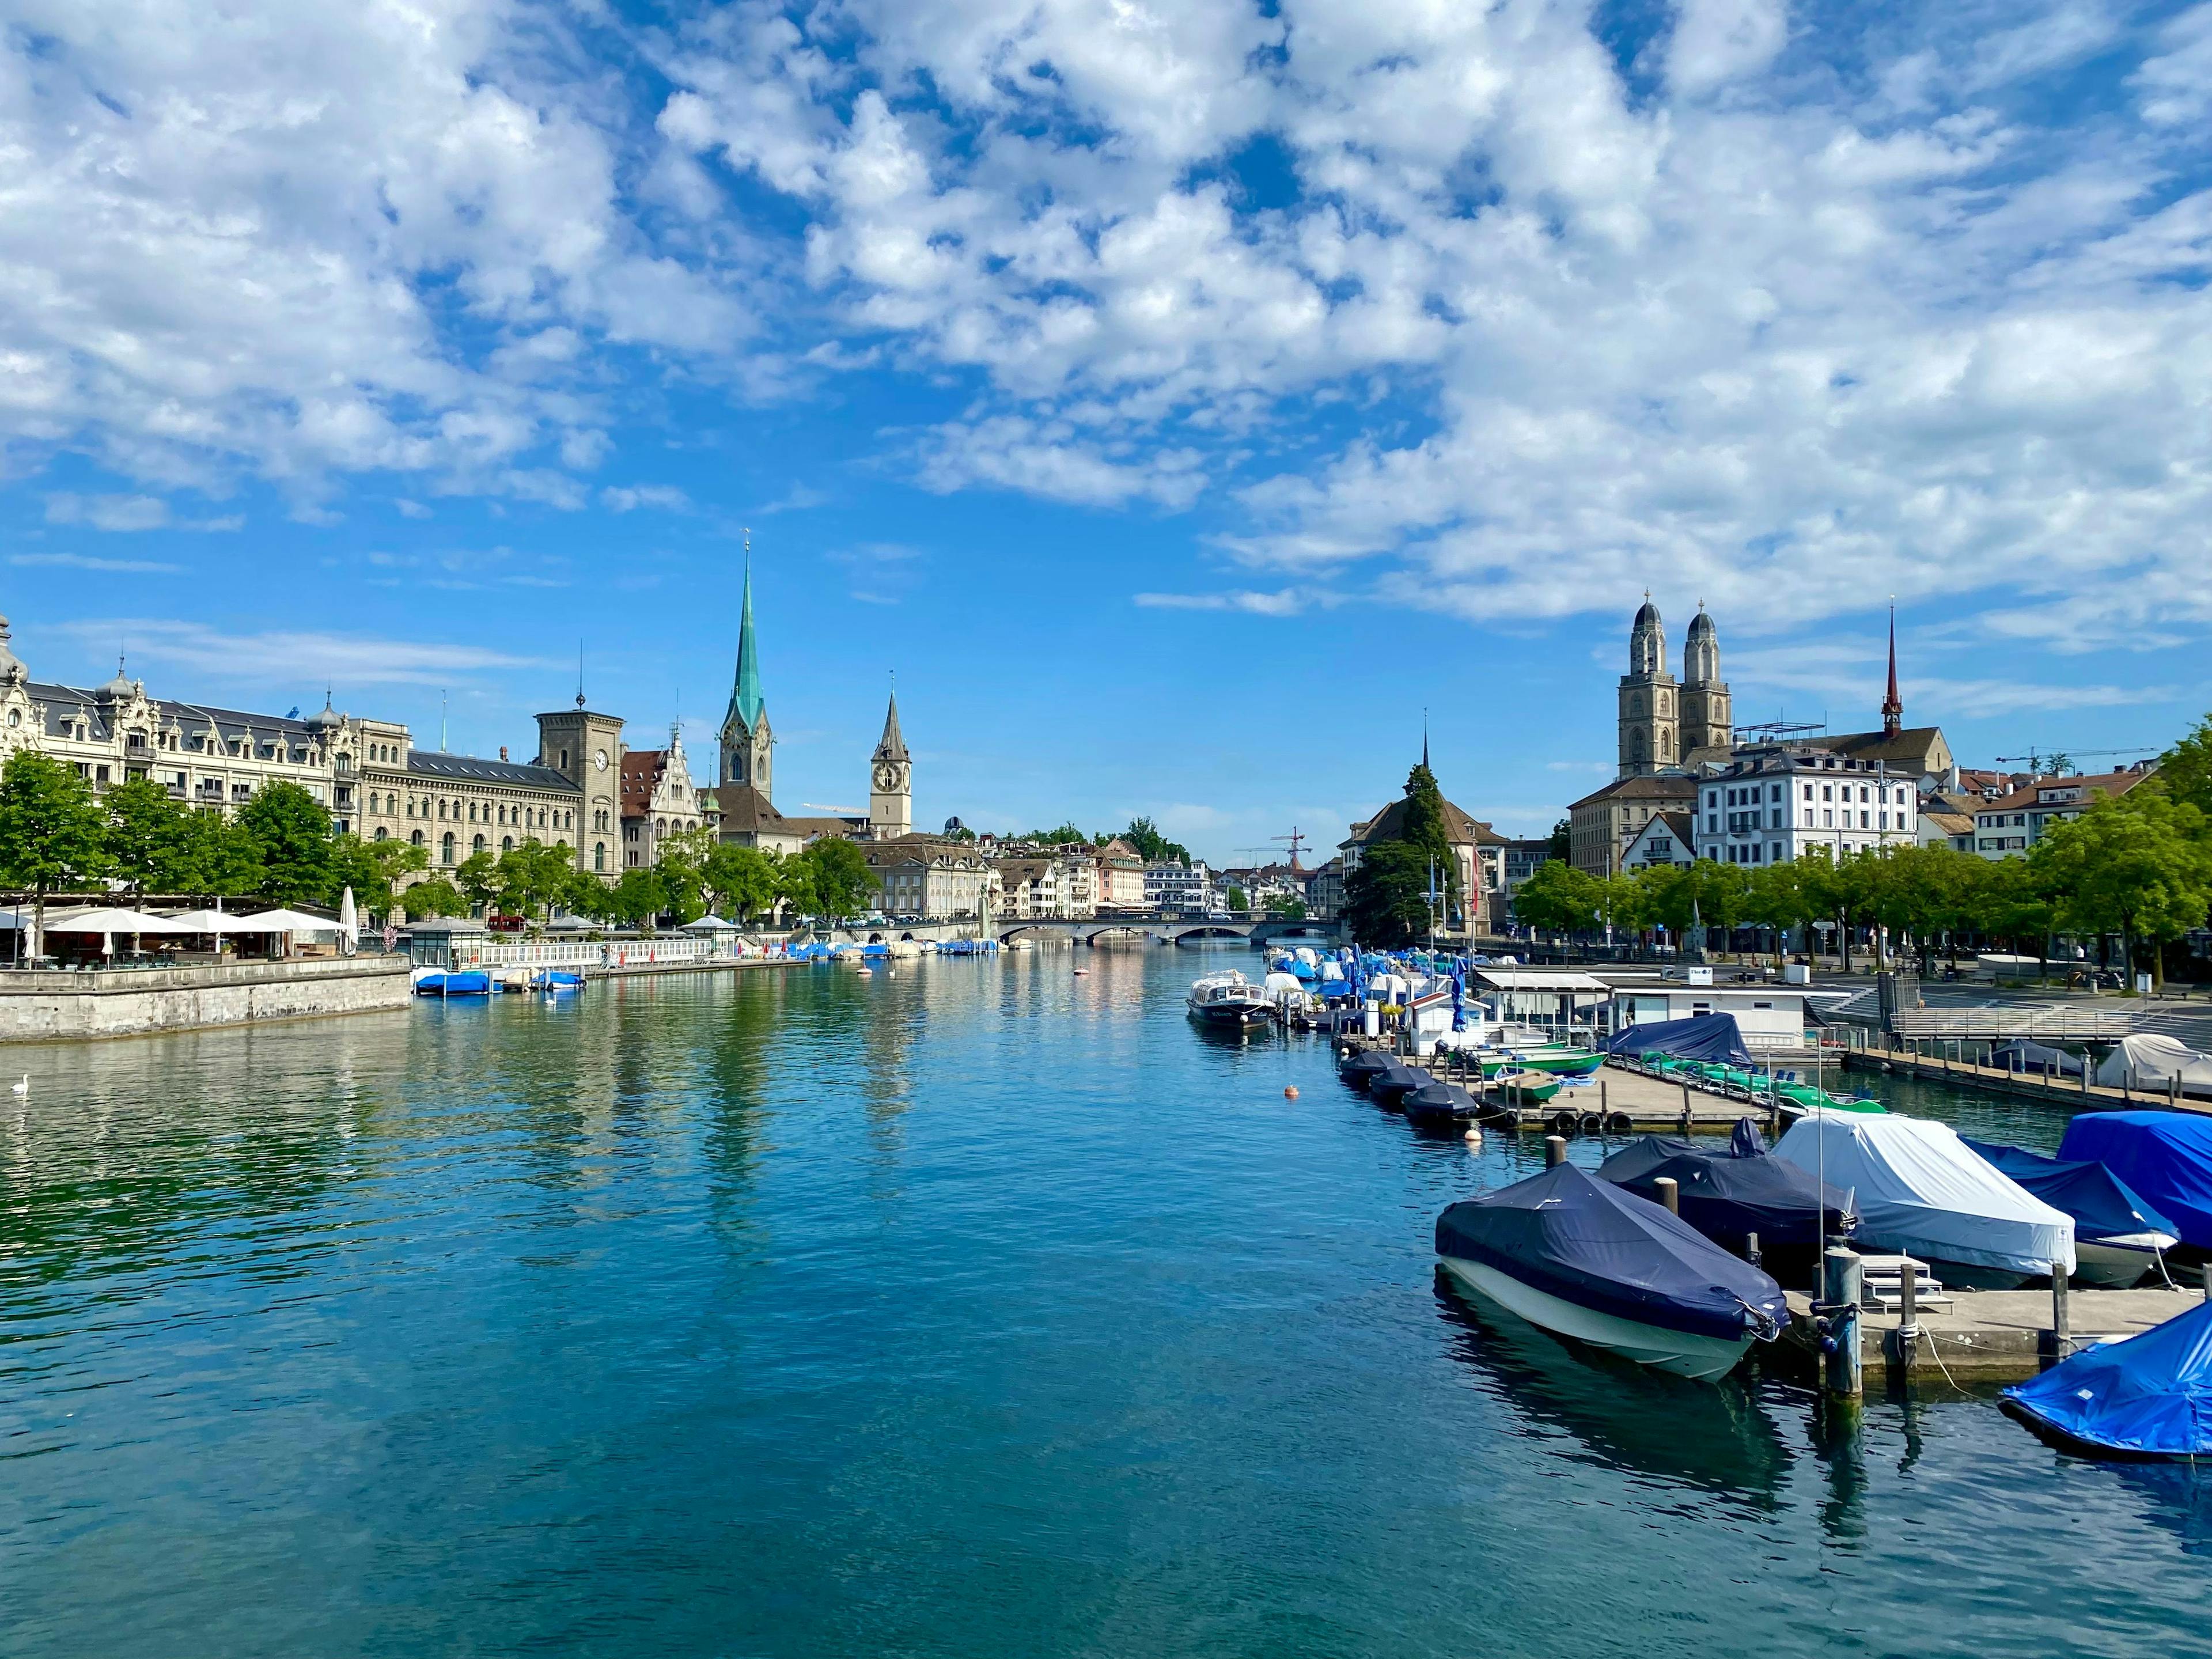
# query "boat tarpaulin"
(2164, 1157)
(2026, 1056)
(1918, 1189)
(1703, 1036)
(2148, 1396)
(2149, 1060)
(2100, 1201)
(1587, 1241)
(1727, 1194)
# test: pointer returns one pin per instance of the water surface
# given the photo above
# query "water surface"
(980, 1310)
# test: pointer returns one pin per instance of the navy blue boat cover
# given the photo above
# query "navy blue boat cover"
(2098, 1200)
(2149, 1396)
(1368, 1062)
(1728, 1195)
(1589, 1243)
(2026, 1056)
(1706, 1037)
(2164, 1157)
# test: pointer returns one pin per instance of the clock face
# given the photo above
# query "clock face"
(600, 759)
(886, 776)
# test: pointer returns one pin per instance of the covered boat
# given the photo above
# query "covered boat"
(2035, 1058)
(1918, 1190)
(1364, 1066)
(2157, 1064)
(452, 982)
(1389, 1089)
(2164, 1157)
(1440, 1105)
(1712, 1037)
(1730, 1194)
(2117, 1236)
(2148, 1396)
(1586, 1259)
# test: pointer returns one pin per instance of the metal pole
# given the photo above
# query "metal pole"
(1751, 1248)
(1555, 1150)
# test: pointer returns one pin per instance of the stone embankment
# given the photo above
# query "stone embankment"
(40, 1006)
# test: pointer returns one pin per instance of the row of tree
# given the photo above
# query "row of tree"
(2136, 867)
(1142, 834)
(58, 835)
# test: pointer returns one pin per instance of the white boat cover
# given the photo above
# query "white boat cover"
(1921, 1191)
(2151, 1062)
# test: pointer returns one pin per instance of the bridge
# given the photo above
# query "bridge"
(1089, 930)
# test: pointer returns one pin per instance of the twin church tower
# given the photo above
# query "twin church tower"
(749, 756)
(1665, 726)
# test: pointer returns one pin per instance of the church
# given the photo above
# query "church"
(745, 802)
(1666, 727)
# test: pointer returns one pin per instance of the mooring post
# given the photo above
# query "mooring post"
(1751, 1248)
(1841, 1275)
(1908, 1314)
(1603, 1109)
(1555, 1150)
(2061, 1330)
(1670, 1193)
(2206, 1271)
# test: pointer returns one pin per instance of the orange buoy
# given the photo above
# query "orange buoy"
(1290, 1093)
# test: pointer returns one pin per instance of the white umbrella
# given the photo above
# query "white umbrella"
(283, 921)
(115, 921)
(710, 923)
(206, 921)
(349, 920)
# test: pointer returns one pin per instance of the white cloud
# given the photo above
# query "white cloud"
(281, 656)
(628, 499)
(108, 512)
(86, 562)
(1286, 601)
(1717, 40)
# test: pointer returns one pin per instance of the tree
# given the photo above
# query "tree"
(838, 872)
(532, 876)
(794, 884)
(1563, 840)
(1556, 898)
(51, 833)
(1287, 907)
(435, 897)
(638, 898)
(290, 835)
(740, 881)
(1423, 828)
(584, 894)
(213, 855)
(479, 877)
(144, 828)
(372, 869)
(1067, 832)
(2138, 864)
(2185, 771)
(1144, 835)
(1237, 898)
(1387, 897)
(683, 867)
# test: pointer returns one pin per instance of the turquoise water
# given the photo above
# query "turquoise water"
(982, 1310)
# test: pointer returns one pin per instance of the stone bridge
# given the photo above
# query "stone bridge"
(1161, 930)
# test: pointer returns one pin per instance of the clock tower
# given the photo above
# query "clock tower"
(891, 782)
(586, 749)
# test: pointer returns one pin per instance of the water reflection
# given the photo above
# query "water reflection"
(1710, 1438)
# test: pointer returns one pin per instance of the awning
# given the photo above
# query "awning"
(114, 921)
(283, 921)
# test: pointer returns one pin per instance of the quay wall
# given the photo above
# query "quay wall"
(41, 1006)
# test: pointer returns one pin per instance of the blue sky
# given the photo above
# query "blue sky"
(1180, 399)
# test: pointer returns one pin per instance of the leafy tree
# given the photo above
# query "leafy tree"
(372, 869)
(1287, 907)
(1387, 897)
(741, 882)
(1424, 829)
(683, 867)
(1563, 840)
(1556, 898)
(584, 894)
(2138, 864)
(1144, 835)
(290, 835)
(2185, 771)
(838, 872)
(1237, 898)
(213, 855)
(794, 884)
(144, 828)
(534, 876)
(52, 834)
(436, 896)
(477, 877)
(1067, 832)
(638, 898)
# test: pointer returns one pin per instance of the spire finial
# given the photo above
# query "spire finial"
(1892, 705)
(1425, 738)
(580, 673)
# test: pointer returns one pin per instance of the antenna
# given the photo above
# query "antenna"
(579, 671)
(441, 725)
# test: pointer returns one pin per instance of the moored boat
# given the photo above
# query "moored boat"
(1728, 1195)
(1438, 1104)
(2149, 1396)
(1388, 1089)
(1364, 1066)
(1228, 1000)
(2164, 1157)
(1588, 1260)
(1553, 1058)
(1526, 1088)
(452, 982)
(2117, 1236)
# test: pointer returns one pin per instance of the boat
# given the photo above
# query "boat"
(1919, 1191)
(1367, 1064)
(1229, 1001)
(2157, 1064)
(1388, 1089)
(2117, 1236)
(2164, 1157)
(1711, 1048)
(557, 980)
(1554, 1059)
(1526, 1088)
(1438, 1104)
(1728, 1195)
(1588, 1260)
(452, 982)
(2147, 1397)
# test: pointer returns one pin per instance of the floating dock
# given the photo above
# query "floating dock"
(1616, 1102)
(2076, 1094)
(1990, 1336)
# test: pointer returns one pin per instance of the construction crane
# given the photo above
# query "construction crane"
(1297, 839)
(2036, 761)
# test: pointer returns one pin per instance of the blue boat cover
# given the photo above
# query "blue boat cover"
(2098, 1200)
(1703, 1036)
(2149, 1396)
(2164, 1157)
(1367, 1063)
(1587, 1241)
(1726, 1196)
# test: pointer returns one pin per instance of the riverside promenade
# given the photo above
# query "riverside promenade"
(61, 1004)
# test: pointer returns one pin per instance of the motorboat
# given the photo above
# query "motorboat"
(1585, 1259)
(1553, 1058)
(1367, 1064)
(1229, 1001)
(1730, 1194)
(452, 982)
(2117, 1236)
(557, 980)
(2149, 1396)
(1920, 1191)
(1440, 1105)
(1388, 1089)
(1526, 1088)
(2163, 1157)
(2157, 1064)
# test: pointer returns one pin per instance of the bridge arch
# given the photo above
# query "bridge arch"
(1207, 930)
(1093, 934)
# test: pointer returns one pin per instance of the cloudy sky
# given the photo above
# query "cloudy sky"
(1180, 398)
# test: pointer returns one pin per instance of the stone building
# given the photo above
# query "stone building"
(929, 877)
(1601, 824)
(1662, 723)
(1477, 852)
(658, 800)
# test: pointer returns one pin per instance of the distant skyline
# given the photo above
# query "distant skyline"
(1180, 399)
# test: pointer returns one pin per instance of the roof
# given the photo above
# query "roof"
(1539, 979)
(893, 746)
(746, 811)
(1657, 786)
(435, 763)
(1909, 747)
(642, 770)
(1459, 830)
(1683, 826)
(229, 723)
(1951, 823)
(2029, 794)
(746, 699)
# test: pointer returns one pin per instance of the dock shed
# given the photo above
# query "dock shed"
(1769, 1016)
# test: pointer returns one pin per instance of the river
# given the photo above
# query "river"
(982, 1310)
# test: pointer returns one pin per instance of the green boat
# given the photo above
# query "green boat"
(1528, 1088)
(1555, 1058)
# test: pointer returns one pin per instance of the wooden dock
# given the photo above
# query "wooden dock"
(1616, 1102)
(2076, 1094)
(1990, 1336)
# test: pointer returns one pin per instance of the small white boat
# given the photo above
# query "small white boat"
(1229, 999)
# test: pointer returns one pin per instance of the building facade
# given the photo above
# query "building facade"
(929, 878)
(2009, 827)
(1600, 825)
(659, 799)
(1665, 840)
(1180, 889)
(1774, 804)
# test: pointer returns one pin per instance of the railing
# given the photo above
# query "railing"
(592, 953)
(2077, 1024)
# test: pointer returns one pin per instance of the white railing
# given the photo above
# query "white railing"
(581, 953)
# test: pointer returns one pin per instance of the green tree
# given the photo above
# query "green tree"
(584, 894)
(1563, 840)
(532, 876)
(1556, 898)
(838, 872)
(1067, 832)
(1144, 835)
(794, 884)
(638, 898)
(477, 876)
(741, 882)
(145, 829)
(2185, 771)
(1387, 897)
(52, 833)
(436, 896)
(1287, 907)
(683, 867)
(213, 855)
(371, 869)
(2138, 864)
(290, 832)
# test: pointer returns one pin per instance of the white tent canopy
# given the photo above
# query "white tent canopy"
(710, 923)
(1921, 1191)
(206, 921)
(2149, 1061)
(283, 921)
(114, 921)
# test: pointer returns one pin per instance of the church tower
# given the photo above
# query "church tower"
(1707, 723)
(891, 782)
(1650, 729)
(748, 746)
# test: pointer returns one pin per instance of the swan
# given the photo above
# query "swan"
(22, 1088)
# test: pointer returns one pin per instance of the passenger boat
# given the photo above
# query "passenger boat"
(1229, 1001)
(2117, 1236)
(1919, 1191)
(1588, 1260)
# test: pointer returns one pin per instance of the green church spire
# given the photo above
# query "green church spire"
(745, 698)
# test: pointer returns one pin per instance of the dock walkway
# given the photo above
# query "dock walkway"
(1616, 1102)
(2076, 1094)
(1992, 1336)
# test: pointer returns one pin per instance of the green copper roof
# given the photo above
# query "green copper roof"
(745, 700)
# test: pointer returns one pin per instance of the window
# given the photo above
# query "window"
(598, 855)
(1863, 822)
(1808, 791)
(477, 845)
(507, 843)
(381, 832)
(1827, 792)
(1774, 853)
(1827, 820)
(446, 848)
(416, 837)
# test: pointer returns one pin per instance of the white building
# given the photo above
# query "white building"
(928, 877)
(1769, 1018)
(1776, 803)
(1666, 839)
(658, 800)
(1179, 890)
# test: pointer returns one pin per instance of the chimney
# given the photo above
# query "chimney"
(502, 751)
